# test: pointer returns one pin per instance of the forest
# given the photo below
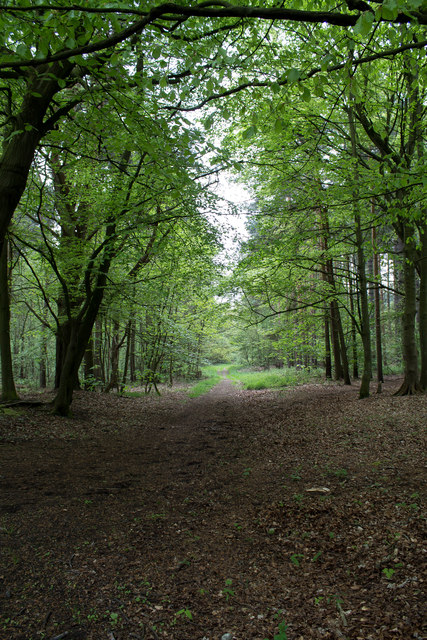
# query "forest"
(117, 122)
(131, 273)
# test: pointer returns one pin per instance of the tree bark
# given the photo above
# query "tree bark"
(29, 128)
(411, 384)
(8, 384)
(365, 329)
(423, 306)
(378, 335)
(353, 324)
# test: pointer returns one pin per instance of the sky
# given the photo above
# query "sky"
(231, 217)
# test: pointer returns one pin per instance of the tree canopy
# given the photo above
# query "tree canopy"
(117, 118)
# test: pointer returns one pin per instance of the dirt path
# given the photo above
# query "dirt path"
(191, 519)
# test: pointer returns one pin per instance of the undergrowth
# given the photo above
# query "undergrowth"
(275, 378)
(210, 378)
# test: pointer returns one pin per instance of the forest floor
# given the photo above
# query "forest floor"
(233, 515)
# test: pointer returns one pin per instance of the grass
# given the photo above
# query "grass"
(210, 378)
(274, 378)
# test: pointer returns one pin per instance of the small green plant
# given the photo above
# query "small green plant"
(228, 591)
(114, 617)
(186, 613)
(388, 572)
(282, 635)
(316, 556)
(298, 497)
(156, 516)
(92, 616)
(296, 559)
(295, 475)
(338, 473)
(246, 472)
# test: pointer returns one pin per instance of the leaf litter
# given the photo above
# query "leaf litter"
(246, 514)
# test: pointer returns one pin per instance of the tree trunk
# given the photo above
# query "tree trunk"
(365, 329)
(132, 357)
(328, 361)
(8, 384)
(29, 127)
(89, 365)
(423, 307)
(353, 324)
(411, 384)
(378, 336)
(116, 343)
(63, 336)
(81, 330)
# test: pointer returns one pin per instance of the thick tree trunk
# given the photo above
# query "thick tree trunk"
(80, 332)
(63, 337)
(411, 384)
(8, 384)
(18, 151)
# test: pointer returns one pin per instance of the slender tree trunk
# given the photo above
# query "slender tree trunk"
(343, 350)
(127, 354)
(423, 307)
(132, 355)
(89, 365)
(378, 334)
(97, 351)
(328, 361)
(365, 329)
(353, 323)
(8, 384)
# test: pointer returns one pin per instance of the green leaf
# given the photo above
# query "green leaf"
(364, 24)
(208, 122)
(156, 53)
(306, 95)
(23, 51)
(279, 125)
(275, 87)
(293, 75)
(249, 132)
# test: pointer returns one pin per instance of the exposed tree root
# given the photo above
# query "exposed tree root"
(409, 389)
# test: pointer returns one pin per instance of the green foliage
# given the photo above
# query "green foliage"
(276, 378)
(208, 382)
(228, 590)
